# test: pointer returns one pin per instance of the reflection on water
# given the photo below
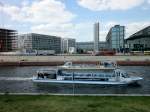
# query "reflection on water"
(18, 80)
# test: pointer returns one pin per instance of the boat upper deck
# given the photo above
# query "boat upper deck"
(107, 65)
(86, 68)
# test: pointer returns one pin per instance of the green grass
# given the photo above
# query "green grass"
(12, 103)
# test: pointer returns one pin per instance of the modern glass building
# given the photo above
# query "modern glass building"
(96, 37)
(115, 38)
(140, 41)
(8, 40)
(34, 41)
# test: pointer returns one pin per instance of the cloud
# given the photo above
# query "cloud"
(63, 30)
(43, 16)
(132, 28)
(99, 5)
(80, 31)
(84, 31)
(40, 11)
(110, 24)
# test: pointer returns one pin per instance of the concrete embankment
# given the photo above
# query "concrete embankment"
(121, 63)
(59, 60)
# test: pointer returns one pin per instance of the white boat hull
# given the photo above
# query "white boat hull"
(101, 75)
(83, 82)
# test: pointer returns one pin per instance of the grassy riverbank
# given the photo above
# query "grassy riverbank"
(10, 103)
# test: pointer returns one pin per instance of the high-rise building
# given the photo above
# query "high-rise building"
(115, 38)
(34, 41)
(96, 37)
(67, 43)
(8, 40)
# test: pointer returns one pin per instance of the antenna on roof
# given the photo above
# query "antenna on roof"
(1, 14)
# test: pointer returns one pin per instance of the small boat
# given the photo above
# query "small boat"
(107, 73)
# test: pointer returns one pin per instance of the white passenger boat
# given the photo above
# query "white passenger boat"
(106, 73)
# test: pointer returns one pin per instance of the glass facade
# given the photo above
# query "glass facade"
(40, 42)
(115, 38)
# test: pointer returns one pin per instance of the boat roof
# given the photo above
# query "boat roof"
(87, 68)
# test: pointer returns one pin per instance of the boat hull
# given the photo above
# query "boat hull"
(82, 82)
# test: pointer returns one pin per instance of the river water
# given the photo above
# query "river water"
(18, 80)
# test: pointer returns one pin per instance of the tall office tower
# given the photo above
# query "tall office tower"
(96, 37)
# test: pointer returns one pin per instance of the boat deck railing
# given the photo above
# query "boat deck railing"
(101, 65)
(87, 67)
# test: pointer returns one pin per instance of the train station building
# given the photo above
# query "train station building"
(139, 41)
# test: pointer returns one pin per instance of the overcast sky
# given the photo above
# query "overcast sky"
(74, 18)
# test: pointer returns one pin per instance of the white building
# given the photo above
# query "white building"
(68, 44)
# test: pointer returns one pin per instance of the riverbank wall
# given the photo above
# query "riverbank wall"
(60, 60)
(58, 63)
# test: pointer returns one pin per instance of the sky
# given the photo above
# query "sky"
(74, 18)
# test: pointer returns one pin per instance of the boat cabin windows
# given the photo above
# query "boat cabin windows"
(85, 74)
(46, 74)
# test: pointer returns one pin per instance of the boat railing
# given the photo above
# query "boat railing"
(102, 64)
